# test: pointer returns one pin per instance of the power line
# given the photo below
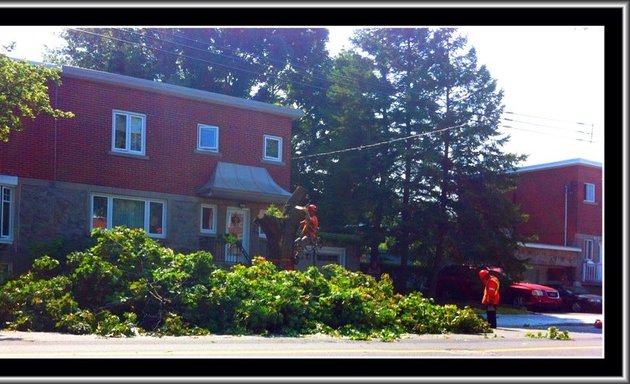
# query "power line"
(544, 133)
(370, 146)
(543, 125)
(546, 118)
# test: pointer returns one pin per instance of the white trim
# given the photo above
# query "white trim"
(558, 164)
(589, 255)
(214, 219)
(201, 126)
(335, 251)
(278, 139)
(587, 194)
(8, 239)
(9, 180)
(147, 212)
(128, 149)
(229, 258)
(549, 246)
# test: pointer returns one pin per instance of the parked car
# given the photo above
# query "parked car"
(532, 296)
(578, 299)
(461, 283)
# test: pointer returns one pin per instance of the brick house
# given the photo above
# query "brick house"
(183, 164)
(564, 202)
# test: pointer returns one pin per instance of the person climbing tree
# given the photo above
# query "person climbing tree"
(309, 227)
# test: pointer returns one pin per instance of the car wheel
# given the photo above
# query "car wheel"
(576, 307)
(518, 301)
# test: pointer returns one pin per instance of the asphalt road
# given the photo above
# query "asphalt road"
(516, 336)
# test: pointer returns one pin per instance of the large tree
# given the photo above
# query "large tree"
(24, 94)
(261, 63)
(452, 173)
(356, 162)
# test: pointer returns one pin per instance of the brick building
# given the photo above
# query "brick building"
(183, 164)
(564, 203)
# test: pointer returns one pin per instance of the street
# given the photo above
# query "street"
(516, 336)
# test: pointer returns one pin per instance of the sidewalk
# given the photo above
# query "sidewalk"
(543, 320)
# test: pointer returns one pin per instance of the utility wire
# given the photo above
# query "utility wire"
(182, 55)
(546, 118)
(566, 129)
(544, 133)
(370, 146)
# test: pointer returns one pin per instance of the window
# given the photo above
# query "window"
(113, 211)
(128, 132)
(589, 192)
(273, 148)
(208, 138)
(6, 207)
(588, 249)
(208, 218)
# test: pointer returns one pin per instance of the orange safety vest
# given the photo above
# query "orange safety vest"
(491, 291)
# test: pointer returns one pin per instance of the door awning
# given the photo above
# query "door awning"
(244, 182)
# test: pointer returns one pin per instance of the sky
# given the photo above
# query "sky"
(552, 78)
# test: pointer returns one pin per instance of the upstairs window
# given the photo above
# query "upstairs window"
(272, 148)
(208, 138)
(128, 132)
(589, 193)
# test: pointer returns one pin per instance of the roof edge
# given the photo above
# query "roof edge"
(177, 90)
(558, 164)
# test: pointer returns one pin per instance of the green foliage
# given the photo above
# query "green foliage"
(24, 94)
(36, 303)
(274, 211)
(553, 333)
(127, 284)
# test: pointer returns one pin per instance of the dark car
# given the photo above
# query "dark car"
(578, 299)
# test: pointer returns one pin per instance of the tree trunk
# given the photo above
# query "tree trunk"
(281, 232)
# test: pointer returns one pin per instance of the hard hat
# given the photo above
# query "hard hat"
(483, 273)
(312, 208)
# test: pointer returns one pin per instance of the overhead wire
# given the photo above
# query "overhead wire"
(370, 146)
(348, 78)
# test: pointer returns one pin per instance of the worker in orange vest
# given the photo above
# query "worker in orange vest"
(490, 296)
(309, 227)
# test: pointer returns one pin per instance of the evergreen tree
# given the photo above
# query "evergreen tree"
(453, 106)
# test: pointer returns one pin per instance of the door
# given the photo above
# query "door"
(237, 223)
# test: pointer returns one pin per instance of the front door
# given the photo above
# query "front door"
(237, 223)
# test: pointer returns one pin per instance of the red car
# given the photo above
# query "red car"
(533, 296)
(461, 282)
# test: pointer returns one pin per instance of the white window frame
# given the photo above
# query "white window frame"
(589, 192)
(588, 249)
(127, 149)
(9, 237)
(147, 212)
(201, 127)
(213, 230)
(278, 139)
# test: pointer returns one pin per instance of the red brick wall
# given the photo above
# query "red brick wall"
(540, 194)
(84, 142)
